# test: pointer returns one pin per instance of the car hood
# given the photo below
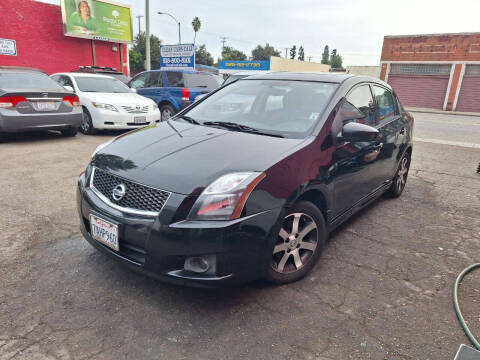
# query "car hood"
(185, 158)
(116, 98)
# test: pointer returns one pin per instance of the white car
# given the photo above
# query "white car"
(108, 103)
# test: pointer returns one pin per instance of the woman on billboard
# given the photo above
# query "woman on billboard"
(82, 19)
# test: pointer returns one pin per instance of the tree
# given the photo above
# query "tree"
(301, 53)
(325, 55)
(136, 61)
(264, 52)
(229, 53)
(139, 46)
(202, 56)
(336, 60)
(196, 24)
(293, 52)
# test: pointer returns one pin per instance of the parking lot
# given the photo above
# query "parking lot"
(382, 289)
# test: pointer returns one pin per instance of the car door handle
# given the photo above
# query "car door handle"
(403, 131)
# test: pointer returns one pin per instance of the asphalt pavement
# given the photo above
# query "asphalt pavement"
(382, 289)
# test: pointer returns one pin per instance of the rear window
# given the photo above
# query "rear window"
(28, 80)
(200, 81)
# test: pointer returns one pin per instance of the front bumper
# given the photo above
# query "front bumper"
(158, 246)
(105, 119)
(13, 121)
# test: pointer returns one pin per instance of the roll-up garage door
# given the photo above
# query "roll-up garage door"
(469, 96)
(420, 85)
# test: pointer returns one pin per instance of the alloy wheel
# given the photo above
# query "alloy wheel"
(166, 114)
(297, 241)
(85, 124)
(402, 174)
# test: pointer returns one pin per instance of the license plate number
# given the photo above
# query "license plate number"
(46, 106)
(140, 119)
(104, 231)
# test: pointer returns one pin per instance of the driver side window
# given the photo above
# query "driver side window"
(361, 102)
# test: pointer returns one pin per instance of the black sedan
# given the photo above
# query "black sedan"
(249, 181)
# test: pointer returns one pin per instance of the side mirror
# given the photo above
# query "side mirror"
(356, 132)
(133, 90)
(69, 88)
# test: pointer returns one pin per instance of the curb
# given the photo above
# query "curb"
(441, 112)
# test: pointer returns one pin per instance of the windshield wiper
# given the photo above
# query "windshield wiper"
(239, 127)
(188, 119)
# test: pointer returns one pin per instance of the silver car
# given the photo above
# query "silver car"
(32, 101)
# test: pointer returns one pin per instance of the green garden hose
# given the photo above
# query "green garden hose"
(457, 306)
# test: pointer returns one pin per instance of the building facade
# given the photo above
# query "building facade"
(37, 30)
(438, 71)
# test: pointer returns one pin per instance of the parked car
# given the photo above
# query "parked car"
(31, 101)
(172, 91)
(223, 194)
(107, 103)
(104, 70)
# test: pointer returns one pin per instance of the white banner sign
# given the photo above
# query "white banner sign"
(8, 47)
(177, 57)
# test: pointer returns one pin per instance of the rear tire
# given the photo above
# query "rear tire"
(70, 132)
(400, 179)
(166, 112)
(298, 245)
(87, 125)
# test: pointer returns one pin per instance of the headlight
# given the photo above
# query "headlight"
(101, 146)
(104, 106)
(225, 197)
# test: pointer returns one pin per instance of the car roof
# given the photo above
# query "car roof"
(302, 76)
(182, 71)
(21, 69)
(80, 74)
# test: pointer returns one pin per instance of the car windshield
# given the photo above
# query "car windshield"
(277, 107)
(100, 84)
(28, 80)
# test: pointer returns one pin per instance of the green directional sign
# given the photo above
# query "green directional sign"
(97, 19)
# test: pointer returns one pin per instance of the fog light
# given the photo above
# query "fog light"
(196, 264)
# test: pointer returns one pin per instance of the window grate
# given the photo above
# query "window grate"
(420, 69)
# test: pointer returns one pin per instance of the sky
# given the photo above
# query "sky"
(354, 27)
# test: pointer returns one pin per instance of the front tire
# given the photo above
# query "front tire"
(87, 125)
(70, 132)
(298, 244)
(400, 179)
(166, 112)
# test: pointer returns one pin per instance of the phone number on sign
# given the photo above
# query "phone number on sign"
(177, 60)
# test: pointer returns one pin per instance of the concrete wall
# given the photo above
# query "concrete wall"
(282, 64)
(373, 71)
(38, 31)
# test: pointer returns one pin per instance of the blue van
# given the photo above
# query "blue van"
(173, 90)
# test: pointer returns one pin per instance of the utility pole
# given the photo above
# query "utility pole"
(147, 35)
(139, 17)
(286, 49)
(223, 40)
(309, 58)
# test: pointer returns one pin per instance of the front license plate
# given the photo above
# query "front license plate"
(104, 231)
(46, 106)
(140, 119)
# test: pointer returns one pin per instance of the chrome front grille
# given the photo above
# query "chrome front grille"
(136, 109)
(138, 198)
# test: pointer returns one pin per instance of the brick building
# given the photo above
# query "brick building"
(37, 29)
(439, 71)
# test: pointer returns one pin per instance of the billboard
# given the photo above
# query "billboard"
(97, 20)
(238, 65)
(177, 57)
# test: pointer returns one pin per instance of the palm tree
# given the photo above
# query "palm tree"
(196, 26)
